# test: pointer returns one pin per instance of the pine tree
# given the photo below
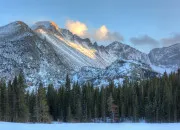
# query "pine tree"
(22, 109)
(0, 100)
(84, 103)
(89, 101)
(9, 101)
(61, 103)
(52, 101)
(13, 100)
(42, 105)
(4, 102)
(135, 110)
(110, 101)
(96, 103)
(33, 107)
(67, 97)
(69, 115)
(78, 115)
(103, 104)
(135, 102)
(76, 99)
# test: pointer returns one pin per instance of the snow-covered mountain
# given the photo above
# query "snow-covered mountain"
(77, 52)
(166, 56)
(71, 49)
(47, 53)
(117, 72)
(22, 50)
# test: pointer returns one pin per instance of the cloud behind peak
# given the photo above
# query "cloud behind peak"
(100, 34)
(144, 40)
(76, 27)
(175, 38)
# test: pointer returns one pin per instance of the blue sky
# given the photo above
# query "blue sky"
(144, 24)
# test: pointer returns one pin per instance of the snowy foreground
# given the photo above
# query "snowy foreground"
(89, 126)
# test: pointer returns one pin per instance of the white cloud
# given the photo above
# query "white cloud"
(76, 27)
(99, 34)
(103, 34)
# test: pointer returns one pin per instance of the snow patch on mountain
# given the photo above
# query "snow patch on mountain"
(117, 72)
(162, 69)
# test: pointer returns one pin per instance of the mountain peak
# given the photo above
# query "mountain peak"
(16, 24)
(115, 44)
(49, 25)
(54, 25)
(20, 22)
(14, 28)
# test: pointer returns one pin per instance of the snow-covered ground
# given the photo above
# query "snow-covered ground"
(89, 126)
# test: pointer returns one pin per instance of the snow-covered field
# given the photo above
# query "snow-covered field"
(89, 126)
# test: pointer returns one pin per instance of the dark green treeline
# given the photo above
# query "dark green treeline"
(153, 100)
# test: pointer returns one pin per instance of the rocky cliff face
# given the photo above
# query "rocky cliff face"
(166, 56)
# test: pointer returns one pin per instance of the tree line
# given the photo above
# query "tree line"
(153, 100)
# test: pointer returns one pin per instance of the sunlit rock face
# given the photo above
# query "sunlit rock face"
(77, 52)
(74, 51)
(89, 52)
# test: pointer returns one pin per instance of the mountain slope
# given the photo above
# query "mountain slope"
(123, 51)
(22, 50)
(77, 52)
(117, 72)
(166, 56)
